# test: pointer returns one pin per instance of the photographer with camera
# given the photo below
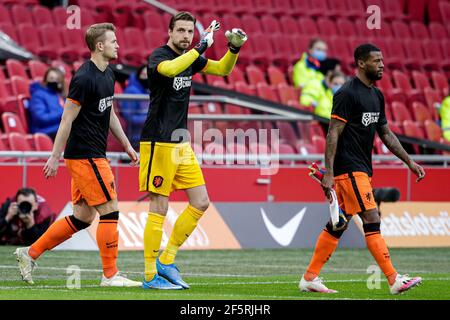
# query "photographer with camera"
(24, 218)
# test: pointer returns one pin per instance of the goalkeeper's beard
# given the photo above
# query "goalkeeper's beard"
(181, 45)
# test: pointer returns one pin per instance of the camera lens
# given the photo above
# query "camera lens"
(24, 207)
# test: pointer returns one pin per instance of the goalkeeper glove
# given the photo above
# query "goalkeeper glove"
(338, 219)
(236, 38)
(207, 39)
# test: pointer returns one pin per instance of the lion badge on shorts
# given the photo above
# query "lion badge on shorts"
(158, 181)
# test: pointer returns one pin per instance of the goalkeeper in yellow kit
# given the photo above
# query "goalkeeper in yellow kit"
(168, 162)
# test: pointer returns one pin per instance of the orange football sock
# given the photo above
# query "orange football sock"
(325, 246)
(108, 242)
(57, 233)
(378, 248)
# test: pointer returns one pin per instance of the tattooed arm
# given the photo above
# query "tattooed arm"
(335, 130)
(391, 142)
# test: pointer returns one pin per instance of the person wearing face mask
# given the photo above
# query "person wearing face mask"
(308, 67)
(135, 112)
(444, 113)
(46, 104)
(319, 94)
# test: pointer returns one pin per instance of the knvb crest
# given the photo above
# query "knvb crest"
(105, 103)
(370, 117)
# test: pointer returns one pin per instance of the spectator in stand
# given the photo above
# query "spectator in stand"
(329, 65)
(24, 218)
(46, 104)
(308, 67)
(444, 112)
(135, 112)
(319, 94)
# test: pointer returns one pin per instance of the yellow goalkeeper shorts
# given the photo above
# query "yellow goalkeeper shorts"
(165, 167)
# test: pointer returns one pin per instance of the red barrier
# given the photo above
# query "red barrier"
(231, 184)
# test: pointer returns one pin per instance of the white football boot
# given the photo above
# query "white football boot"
(403, 283)
(119, 280)
(316, 285)
(26, 264)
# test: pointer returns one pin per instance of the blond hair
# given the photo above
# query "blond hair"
(96, 33)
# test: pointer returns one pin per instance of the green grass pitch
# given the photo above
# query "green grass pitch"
(231, 275)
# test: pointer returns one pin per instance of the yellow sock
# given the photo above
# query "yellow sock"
(185, 224)
(152, 241)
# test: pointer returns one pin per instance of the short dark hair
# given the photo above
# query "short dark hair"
(363, 52)
(313, 41)
(336, 74)
(26, 192)
(183, 15)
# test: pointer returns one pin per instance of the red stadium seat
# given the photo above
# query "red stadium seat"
(266, 92)
(11, 123)
(285, 148)
(444, 7)
(416, 9)
(432, 131)
(414, 54)
(419, 30)
(18, 142)
(154, 21)
(396, 127)
(37, 68)
(402, 82)
(345, 27)
(5, 16)
(305, 148)
(255, 75)
(420, 80)
(326, 26)
(288, 93)
(245, 88)
(42, 142)
(121, 14)
(234, 109)
(308, 27)
(21, 14)
(287, 132)
(433, 99)
(401, 29)
(270, 25)
(435, 59)
(42, 16)
(15, 68)
(420, 112)
(275, 75)
(400, 112)
(10, 30)
(412, 129)
(20, 86)
(437, 31)
(319, 8)
(393, 10)
(289, 25)
(440, 83)
(251, 24)
(320, 143)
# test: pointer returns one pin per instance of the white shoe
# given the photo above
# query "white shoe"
(26, 264)
(119, 280)
(315, 285)
(403, 283)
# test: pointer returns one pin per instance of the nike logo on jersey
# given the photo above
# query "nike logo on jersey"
(285, 234)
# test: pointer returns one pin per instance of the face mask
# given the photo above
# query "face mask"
(143, 82)
(335, 88)
(319, 55)
(54, 86)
